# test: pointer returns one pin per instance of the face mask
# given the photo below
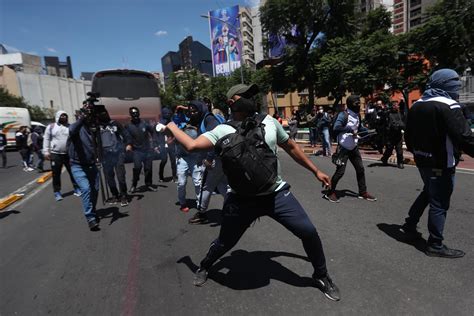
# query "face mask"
(243, 105)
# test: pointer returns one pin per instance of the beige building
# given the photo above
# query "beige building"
(9, 81)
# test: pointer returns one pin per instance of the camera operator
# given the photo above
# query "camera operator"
(113, 137)
(139, 142)
(82, 153)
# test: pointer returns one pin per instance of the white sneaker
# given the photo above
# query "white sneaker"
(29, 169)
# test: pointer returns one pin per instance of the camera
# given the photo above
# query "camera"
(92, 111)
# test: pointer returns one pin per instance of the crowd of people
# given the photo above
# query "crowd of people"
(237, 157)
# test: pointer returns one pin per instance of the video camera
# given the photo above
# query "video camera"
(91, 110)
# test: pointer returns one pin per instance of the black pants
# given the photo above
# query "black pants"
(165, 152)
(3, 153)
(356, 160)
(57, 163)
(394, 143)
(239, 212)
(142, 158)
(114, 164)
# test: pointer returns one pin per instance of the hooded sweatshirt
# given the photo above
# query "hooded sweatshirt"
(56, 136)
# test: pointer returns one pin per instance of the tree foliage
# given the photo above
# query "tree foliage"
(36, 113)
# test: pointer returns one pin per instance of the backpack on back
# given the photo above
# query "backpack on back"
(248, 162)
(220, 119)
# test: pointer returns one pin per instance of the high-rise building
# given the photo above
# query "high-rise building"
(247, 36)
(191, 55)
(54, 67)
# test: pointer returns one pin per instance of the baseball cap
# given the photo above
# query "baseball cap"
(243, 90)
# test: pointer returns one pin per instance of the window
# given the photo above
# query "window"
(415, 12)
(415, 22)
(414, 3)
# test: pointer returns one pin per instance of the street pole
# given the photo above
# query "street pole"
(239, 33)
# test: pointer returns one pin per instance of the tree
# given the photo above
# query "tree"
(36, 113)
(306, 26)
(447, 39)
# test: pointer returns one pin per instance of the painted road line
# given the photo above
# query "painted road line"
(45, 177)
(20, 193)
(12, 198)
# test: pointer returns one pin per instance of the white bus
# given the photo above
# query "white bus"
(121, 89)
(10, 121)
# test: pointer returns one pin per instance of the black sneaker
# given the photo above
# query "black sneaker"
(151, 188)
(198, 218)
(411, 234)
(123, 201)
(133, 189)
(331, 197)
(400, 166)
(200, 277)
(327, 286)
(113, 200)
(93, 225)
(444, 252)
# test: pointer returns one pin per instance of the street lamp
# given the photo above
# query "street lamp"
(237, 29)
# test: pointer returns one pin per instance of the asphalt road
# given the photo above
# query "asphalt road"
(141, 261)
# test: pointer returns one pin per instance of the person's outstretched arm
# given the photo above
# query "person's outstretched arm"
(190, 144)
(292, 148)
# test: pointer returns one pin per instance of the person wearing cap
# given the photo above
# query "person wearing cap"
(240, 211)
(347, 126)
(140, 135)
(436, 133)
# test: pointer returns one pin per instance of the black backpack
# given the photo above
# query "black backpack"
(248, 162)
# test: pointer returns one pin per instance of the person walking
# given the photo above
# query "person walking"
(213, 177)
(276, 201)
(322, 125)
(347, 126)
(293, 125)
(190, 163)
(396, 125)
(113, 139)
(311, 118)
(23, 144)
(167, 146)
(55, 149)
(436, 133)
(84, 159)
(3, 147)
(37, 147)
(141, 135)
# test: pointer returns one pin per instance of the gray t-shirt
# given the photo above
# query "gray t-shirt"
(274, 135)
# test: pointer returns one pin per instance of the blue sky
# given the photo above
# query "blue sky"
(105, 34)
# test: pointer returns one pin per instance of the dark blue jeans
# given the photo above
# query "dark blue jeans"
(142, 158)
(87, 178)
(240, 211)
(313, 136)
(437, 190)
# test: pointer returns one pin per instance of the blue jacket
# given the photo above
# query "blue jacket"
(81, 146)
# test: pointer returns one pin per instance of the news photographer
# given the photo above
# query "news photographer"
(83, 154)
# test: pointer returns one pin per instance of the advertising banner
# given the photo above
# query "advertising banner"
(226, 45)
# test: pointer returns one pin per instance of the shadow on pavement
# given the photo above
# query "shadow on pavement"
(343, 193)
(244, 270)
(111, 212)
(380, 164)
(394, 231)
(7, 213)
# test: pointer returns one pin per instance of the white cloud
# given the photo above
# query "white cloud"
(51, 50)
(161, 33)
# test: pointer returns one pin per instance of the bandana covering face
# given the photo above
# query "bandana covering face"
(443, 83)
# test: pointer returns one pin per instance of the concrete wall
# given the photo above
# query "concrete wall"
(53, 92)
(9, 81)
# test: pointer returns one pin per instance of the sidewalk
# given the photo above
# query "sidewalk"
(368, 153)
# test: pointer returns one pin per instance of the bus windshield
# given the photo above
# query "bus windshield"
(125, 85)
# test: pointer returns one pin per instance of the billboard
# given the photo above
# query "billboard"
(226, 44)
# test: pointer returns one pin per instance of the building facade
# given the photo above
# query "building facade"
(55, 67)
(191, 55)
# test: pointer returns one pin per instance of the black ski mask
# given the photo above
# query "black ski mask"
(134, 114)
(353, 103)
(243, 105)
